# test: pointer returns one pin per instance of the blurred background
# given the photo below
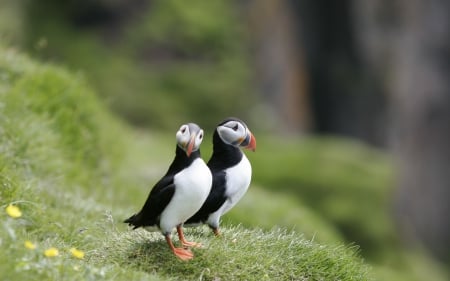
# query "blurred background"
(349, 101)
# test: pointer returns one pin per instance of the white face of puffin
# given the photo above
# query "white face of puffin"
(237, 134)
(189, 137)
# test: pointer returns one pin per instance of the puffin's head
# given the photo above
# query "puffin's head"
(234, 132)
(189, 137)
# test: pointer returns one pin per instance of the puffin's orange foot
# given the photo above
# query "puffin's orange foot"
(183, 254)
(191, 244)
(183, 240)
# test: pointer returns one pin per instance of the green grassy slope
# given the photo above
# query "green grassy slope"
(242, 254)
(75, 172)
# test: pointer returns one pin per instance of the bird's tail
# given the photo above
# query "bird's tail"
(133, 221)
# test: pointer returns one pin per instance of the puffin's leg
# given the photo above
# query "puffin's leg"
(183, 240)
(183, 254)
(216, 231)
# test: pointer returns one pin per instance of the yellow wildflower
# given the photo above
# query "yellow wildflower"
(77, 253)
(51, 252)
(30, 245)
(13, 211)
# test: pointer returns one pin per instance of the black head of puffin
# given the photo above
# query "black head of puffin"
(189, 137)
(234, 131)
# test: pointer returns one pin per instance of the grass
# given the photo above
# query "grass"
(244, 254)
(75, 172)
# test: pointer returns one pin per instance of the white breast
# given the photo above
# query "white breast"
(237, 182)
(192, 186)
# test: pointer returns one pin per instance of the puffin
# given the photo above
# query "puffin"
(231, 171)
(179, 194)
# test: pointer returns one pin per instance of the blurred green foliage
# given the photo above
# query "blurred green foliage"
(345, 181)
(167, 62)
(261, 208)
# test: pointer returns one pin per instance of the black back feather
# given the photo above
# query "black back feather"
(224, 156)
(162, 192)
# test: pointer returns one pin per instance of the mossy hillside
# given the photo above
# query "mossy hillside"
(241, 254)
(52, 123)
(72, 169)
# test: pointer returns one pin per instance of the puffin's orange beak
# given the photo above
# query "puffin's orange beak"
(251, 143)
(190, 145)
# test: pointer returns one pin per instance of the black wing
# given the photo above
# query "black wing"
(215, 199)
(157, 201)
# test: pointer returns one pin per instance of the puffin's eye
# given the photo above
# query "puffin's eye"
(200, 136)
(235, 128)
(183, 130)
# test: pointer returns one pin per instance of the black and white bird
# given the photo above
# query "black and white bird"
(179, 193)
(231, 172)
